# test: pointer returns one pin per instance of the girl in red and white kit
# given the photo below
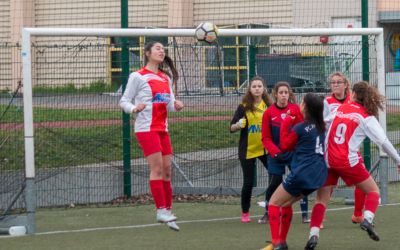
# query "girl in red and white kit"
(340, 87)
(149, 94)
(354, 121)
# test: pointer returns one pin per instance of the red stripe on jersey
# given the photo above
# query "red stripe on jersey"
(160, 91)
(161, 95)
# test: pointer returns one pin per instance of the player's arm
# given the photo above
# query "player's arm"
(266, 136)
(288, 136)
(174, 104)
(326, 111)
(375, 132)
(298, 116)
(170, 105)
(328, 117)
(236, 124)
(130, 93)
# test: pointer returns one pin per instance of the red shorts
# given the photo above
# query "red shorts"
(350, 175)
(153, 142)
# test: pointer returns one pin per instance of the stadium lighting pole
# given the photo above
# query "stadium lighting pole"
(126, 128)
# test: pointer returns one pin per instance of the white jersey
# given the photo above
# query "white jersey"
(331, 104)
(351, 125)
(155, 91)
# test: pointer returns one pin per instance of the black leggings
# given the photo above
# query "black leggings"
(273, 183)
(248, 169)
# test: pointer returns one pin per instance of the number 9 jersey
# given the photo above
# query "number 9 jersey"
(351, 125)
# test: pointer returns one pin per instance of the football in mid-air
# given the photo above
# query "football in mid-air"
(206, 32)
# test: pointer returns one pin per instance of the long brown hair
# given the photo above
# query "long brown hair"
(292, 98)
(369, 97)
(248, 99)
(167, 63)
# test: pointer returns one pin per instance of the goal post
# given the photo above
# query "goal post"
(28, 33)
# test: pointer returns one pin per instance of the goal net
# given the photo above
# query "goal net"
(65, 121)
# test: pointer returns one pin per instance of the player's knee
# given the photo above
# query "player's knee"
(157, 173)
(166, 176)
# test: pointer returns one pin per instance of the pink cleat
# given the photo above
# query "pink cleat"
(245, 218)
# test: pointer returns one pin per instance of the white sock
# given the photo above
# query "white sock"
(161, 210)
(369, 216)
(314, 231)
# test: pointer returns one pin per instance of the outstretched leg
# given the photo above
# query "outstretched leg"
(317, 215)
(371, 206)
(280, 213)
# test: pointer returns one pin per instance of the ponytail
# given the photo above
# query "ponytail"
(170, 64)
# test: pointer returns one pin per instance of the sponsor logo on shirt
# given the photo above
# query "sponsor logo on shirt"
(309, 127)
(352, 116)
(161, 98)
(254, 129)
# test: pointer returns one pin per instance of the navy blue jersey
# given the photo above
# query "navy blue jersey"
(309, 170)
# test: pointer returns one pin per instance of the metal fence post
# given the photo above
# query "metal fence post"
(126, 128)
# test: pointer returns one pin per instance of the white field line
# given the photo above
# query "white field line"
(159, 224)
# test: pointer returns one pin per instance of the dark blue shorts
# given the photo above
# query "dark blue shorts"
(295, 187)
(306, 179)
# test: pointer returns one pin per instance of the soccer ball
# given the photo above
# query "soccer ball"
(206, 32)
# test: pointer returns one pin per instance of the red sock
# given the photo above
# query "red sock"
(287, 214)
(317, 215)
(359, 201)
(274, 222)
(157, 190)
(372, 202)
(168, 194)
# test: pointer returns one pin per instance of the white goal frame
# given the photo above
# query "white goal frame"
(27, 33)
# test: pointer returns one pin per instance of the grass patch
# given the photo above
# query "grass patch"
(203, 226)
(392, 122)
(59, 147)
(199, 113)
(98, 86)
(15, 114)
